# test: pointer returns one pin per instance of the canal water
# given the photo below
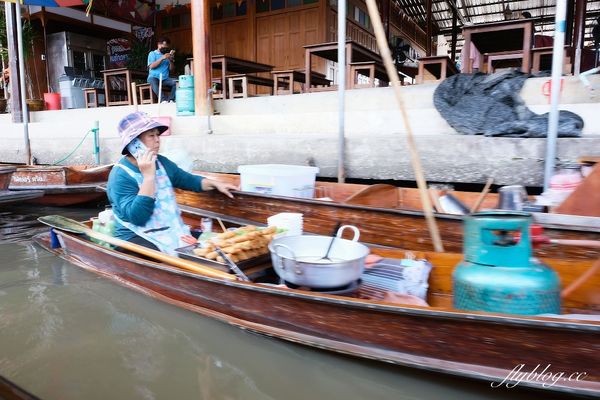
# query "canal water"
(66, 333)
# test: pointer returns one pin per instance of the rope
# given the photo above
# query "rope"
(74, 150)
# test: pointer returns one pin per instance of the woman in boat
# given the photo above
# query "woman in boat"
(140, 188)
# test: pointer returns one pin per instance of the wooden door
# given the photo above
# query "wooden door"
(280, 38)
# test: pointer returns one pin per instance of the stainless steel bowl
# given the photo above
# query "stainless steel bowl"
(299, 259)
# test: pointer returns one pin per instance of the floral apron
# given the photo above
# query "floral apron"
(165, 226)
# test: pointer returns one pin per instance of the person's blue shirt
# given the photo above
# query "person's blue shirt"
(163, 67)
(122, 191)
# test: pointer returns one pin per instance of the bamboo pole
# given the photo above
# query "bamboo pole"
(482, 195)
(566, 292)
(341, 58)
(384, 50)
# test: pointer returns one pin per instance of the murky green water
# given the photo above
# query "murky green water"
(69, 334)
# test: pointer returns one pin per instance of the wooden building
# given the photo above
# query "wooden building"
(274, 31)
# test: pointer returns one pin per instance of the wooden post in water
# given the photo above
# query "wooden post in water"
(384, 50)
(202, 65)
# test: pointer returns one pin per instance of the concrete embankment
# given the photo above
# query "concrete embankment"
(298, 128)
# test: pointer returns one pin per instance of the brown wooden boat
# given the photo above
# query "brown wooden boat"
(386, 215)
(13, 196)
(62, 185)
(478, 345)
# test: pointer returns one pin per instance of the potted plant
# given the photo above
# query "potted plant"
(29, 36)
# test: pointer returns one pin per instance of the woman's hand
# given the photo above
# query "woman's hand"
(189, 239)
(147, 164)
(225, 188)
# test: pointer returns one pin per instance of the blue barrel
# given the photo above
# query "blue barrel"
(184, 97)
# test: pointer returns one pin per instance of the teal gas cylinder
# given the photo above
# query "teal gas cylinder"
(184, 97)
(498, 273)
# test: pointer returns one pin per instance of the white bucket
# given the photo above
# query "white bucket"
(279, 179)
(292, 222)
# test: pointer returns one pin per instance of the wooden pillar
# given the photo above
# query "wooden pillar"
(202, 57)
(579, 31)
(429, 28)
(454, 34)
(13, 63)
(386, 6)
(570, 19)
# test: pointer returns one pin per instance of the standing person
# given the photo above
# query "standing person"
(161, 63)
(140, 188)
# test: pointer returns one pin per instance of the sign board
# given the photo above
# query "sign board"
(118, 52)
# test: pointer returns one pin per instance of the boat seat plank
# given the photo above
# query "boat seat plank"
(378, 195)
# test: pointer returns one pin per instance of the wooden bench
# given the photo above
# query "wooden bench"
(504, 56)
(284, 81)
(91, 96)
(366, 68)
(242, 81)
(146, 94)
(542, 59)
(435, 68)
(371, 69)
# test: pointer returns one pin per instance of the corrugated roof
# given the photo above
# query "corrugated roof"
(483, 11)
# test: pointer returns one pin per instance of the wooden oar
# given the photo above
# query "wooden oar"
(69, 225)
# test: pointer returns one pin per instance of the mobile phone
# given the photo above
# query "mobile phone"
(172, 52)
(136, 148)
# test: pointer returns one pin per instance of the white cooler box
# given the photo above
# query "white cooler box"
(279, 179)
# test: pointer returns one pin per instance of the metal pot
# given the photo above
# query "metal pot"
(299, 259)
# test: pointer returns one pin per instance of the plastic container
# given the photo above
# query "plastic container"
(107, 228)
(292, 223)
(564, 181)
(52, 101)
(71, 96)
(279, 179)
(184, 97)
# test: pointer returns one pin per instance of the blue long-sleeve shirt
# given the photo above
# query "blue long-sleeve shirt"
(122, 191)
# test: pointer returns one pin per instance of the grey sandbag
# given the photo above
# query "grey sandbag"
(491, 105)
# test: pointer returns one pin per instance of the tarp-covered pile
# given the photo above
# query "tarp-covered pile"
(491, 105)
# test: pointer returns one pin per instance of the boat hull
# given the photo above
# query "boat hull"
(380, 226)
(482, 346)
(5, 175)
(62, 185)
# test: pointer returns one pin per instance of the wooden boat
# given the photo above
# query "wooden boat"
(386, 215)
(478, 345)
(62, 185)
(12, 196)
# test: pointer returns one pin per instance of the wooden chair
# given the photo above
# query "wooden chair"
(367, 69)
(542, 59)
(504, 56)
(145, 93)
(91, 96)
(435, 68)
(241, 81)
(283, 81)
